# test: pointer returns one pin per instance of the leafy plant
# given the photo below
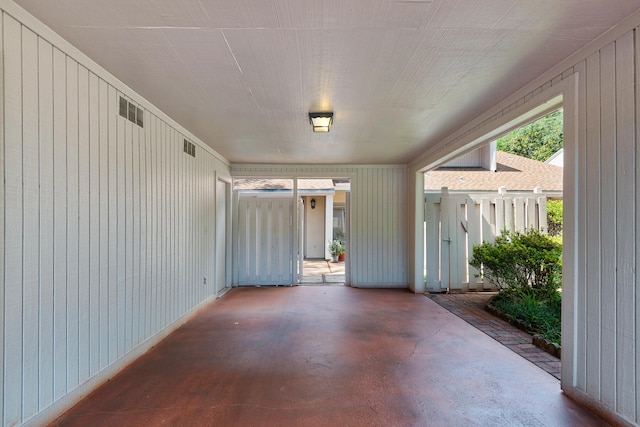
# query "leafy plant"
(554, 217)
(529, 261)
(336, 247)
(542, 316)
(528, 269)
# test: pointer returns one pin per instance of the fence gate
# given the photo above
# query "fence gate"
(454, 223)
(265, 245)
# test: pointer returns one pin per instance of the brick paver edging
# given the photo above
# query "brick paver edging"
(470, 307)
(538, 340)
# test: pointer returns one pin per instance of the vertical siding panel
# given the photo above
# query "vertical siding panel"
(84, 244)
(608, 224)
(31, 232)
(160, 223)
(173, 283)
(370, 235)
(142, 265)
(95, 244)
(2, 215)
(60, 222)
(168, 192)
(357, 229)
(129, 256)
(161, 174)
(158, 266)
(121, 215)
(104, 231)
(113, 221)
(378, 225)
(391, 185)
(72, 224)
(142, 327)
(188, 238)
(152, 145)
(13, 279)
(178, 261)
(46, 166)
(148, 217)
(636, 196)
(625, 227)
(581, 291)
(135, 315)
(593, 221)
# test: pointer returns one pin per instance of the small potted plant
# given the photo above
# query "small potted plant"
(340, 238)
(335, 248)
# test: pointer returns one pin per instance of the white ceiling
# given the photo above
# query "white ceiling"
(242, 75)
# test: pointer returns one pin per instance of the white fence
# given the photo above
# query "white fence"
(454, 223)
(265, 242)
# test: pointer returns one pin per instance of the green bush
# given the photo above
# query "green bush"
(554, 217)
(542, 316)
(529, 261)
(528, 269)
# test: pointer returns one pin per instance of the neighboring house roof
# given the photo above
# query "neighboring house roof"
(516, 173)
(282, 184)
(557, 158)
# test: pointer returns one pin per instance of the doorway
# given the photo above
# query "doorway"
(322, 225)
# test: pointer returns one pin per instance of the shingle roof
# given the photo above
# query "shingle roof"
(282, 184)
(516, 173)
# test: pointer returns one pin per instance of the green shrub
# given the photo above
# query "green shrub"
(554, 217)
(542, 316)
(529, 261)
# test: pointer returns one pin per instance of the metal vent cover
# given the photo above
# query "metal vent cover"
(189, 148)
(131, 112)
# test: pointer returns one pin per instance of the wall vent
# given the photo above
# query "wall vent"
(189, 148)
(131, 112)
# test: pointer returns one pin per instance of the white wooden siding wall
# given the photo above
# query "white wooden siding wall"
(378, 242)
(107, 227)
(601, 325)
(608, 211)
(457, 222)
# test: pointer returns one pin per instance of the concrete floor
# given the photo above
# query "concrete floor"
(323, 272)
(329, 356)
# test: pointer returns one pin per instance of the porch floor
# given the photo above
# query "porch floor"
(322, 272)
(328, 355)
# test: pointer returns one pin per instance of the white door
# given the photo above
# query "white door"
(315, 226)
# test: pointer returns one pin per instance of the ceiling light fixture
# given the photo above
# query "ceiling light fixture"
(321, 122)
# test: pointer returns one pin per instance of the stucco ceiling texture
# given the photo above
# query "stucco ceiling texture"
(242, 75)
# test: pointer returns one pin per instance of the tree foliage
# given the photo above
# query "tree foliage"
(538, 140)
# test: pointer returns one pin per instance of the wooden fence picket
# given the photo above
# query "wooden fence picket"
(454, 223)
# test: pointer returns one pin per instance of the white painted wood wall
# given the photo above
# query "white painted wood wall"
(377, 245)
(107, 228)
(454, 223)
(601, 292)
(607, 217)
